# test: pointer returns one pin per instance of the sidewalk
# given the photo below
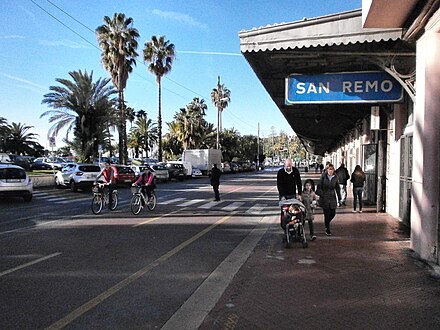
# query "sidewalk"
(362, 277)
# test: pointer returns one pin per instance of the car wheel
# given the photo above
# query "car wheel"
(73, 186)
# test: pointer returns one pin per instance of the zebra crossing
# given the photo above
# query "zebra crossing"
(251, 208)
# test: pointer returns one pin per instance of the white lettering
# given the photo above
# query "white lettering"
(371, 85)
(300, 88)
(358, 86)
(346, 86)
(386, 86)
(325, 88)
(311, 89)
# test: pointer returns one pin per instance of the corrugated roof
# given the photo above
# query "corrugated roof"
(337, 29)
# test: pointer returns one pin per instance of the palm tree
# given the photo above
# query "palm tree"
(4, 130)
(82, 106)
(146, 130)
(220, 96)
(160, 55)
(18, 140)
(117, 40)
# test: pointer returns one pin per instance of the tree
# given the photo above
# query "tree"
(144, 132)
(160, 55)
(117, 39)
(82, 106)
(220, 96)
(18, 140)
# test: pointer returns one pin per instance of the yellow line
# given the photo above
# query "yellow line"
(29, 264)
(125, 282)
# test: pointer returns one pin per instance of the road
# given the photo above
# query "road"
(61, 266)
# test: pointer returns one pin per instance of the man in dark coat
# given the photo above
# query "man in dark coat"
(215, 181)
(289, 181)
(343, 177)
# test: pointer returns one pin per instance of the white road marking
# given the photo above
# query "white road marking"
(191, 202)
(29, 264)
(233, 206)
(169, 201)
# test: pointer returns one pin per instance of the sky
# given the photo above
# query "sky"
(43, 40)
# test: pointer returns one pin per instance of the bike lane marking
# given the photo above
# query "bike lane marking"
(8, 271)
(78, 312)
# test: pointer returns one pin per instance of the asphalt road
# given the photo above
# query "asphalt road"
(63, 267)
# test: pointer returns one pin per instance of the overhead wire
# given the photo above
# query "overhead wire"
(141, 76)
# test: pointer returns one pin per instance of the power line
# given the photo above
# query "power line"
(96, 47)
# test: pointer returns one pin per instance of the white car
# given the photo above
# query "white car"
(14, 181)
(77, 176)
(196, 172)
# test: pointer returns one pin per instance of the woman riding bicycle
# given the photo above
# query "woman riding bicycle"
(146, 180)
(109, 178)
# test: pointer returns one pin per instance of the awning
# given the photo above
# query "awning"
(332, 43)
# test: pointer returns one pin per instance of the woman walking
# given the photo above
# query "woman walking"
(329, 185)
(358, 179)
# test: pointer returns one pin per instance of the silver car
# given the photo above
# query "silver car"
(77, 176)
(14, 181)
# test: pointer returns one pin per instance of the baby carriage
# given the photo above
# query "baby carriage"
(293, 214)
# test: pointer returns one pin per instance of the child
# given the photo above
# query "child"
(310, 202)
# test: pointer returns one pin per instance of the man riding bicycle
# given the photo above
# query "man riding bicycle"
(109, 179)
(146, 180)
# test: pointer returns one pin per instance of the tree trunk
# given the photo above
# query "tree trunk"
(159, 121)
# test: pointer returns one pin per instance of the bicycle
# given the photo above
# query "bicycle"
(138, 200)
(100, 198)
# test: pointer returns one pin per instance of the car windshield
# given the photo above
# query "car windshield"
(89, 168)
(12, 173)
(125, 170)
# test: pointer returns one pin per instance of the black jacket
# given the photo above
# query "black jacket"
(289, 184)
(343, 175)
(215, 176)
(330, 189)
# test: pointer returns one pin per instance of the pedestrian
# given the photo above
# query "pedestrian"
(288, 183)
(108, 174)
(310, 202)
(321, 167)
(343, 177)
(329, 184)
(358, 179)
(215, 181)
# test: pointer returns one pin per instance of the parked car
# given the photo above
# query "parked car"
(56, 163)
(161, 172)
(124, 174)
(21, 161)
(77, 176)
(14, 181)
(225, 167)
(176, 171)
(196, 172)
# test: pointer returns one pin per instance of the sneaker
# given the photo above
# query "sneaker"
(360, 211)
(313, 237)
(328, 233)
(354, 211)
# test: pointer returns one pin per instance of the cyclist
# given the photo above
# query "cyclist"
(108, 174)
(146, 179)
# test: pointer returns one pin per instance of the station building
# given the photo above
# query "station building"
(363, 87)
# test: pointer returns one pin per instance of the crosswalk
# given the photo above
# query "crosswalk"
(251, 208)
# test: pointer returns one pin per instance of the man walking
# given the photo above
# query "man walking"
(215, 181)
(343, 177)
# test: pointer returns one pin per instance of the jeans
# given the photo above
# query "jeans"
(111, 187)
(343, 192)
(357, 195)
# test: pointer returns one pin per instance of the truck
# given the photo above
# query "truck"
(203, 159)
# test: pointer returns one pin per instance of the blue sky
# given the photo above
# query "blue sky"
(40, 42)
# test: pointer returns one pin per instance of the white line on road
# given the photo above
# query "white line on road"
(191, 202)
(29, 264)
(169, 201)
(233, 206)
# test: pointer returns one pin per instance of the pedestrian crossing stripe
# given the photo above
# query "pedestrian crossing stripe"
(191, 202)
(233, 206)
(170, 201)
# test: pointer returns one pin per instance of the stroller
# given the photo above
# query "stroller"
(293, 214)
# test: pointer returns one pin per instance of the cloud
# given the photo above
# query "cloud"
(27, 84)
(179, 17)
(64, 43)
(12, 36)
(208, 53)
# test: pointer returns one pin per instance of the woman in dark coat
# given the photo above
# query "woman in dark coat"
(330, 188)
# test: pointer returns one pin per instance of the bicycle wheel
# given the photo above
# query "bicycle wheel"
(152, 203)
(97, 204)
(136, 204)
(115, 201)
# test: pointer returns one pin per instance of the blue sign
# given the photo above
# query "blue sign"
(354, 87)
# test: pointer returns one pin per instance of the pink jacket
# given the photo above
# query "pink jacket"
(145, 179)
